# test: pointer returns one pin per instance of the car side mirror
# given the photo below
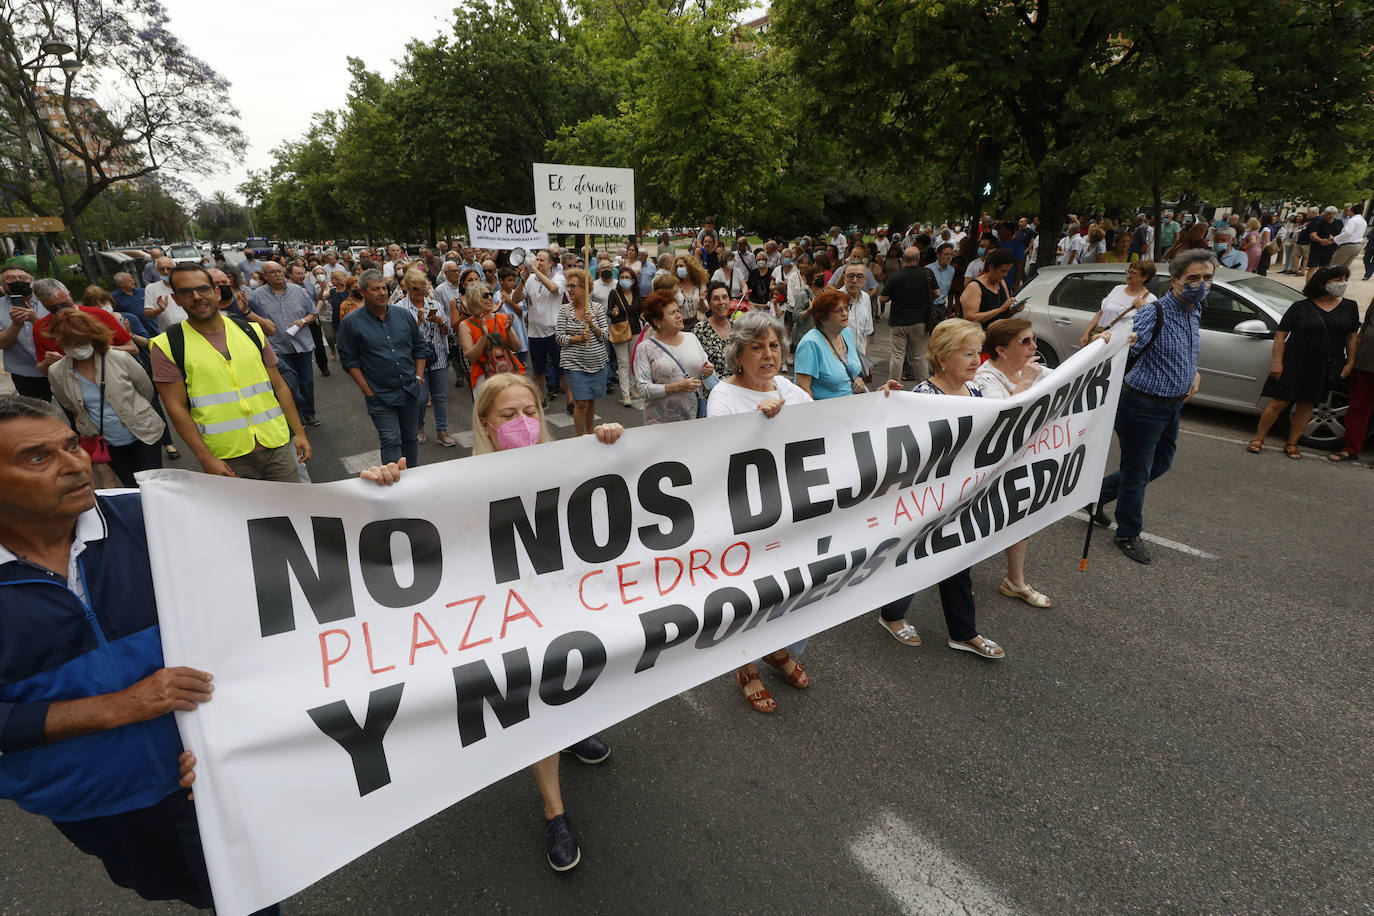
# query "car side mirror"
(1253, 327)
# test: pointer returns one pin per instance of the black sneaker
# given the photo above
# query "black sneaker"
(590, 750)
(1134, 548)
(1099, 517)
(324, 370)
(311, 421)
(563, 851)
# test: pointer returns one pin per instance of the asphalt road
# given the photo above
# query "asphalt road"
(1192, 736)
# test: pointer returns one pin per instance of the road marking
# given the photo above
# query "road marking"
(920, 877)
(464, 437)
(559, 418)
(1162, 542)
(356, 464)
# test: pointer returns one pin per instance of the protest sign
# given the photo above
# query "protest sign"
(381, 653)
(504, 231)
(584, 199)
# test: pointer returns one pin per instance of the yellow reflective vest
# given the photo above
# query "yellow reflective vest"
(232, 401)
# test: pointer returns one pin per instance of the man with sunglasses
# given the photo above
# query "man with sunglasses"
(240, 422)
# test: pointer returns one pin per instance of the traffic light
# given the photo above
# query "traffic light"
(987, 167)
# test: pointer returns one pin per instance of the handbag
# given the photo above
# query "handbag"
(497, 359)
(96, 446)
(620, 330)
(705, 386)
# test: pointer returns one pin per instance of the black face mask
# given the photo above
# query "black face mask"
(21, 288)
(226, 293)
(605, 276)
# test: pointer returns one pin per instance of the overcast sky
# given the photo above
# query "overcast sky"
(295, 51)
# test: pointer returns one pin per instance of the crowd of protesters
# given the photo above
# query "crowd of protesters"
(227, 354)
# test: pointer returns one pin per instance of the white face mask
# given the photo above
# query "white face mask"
(85, 351)
(1336, 288)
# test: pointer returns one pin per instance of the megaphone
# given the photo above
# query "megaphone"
(517, 257)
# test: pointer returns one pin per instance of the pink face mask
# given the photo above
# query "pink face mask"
(517, 432)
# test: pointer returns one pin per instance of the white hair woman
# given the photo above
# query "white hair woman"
(754, 354)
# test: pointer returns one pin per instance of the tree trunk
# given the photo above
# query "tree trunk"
(1055, 190)
(433, 229)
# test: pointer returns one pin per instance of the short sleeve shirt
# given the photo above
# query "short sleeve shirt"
(817, 359)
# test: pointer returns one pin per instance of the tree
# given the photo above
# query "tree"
(159, 109)
(221, 217)
(1143, 91)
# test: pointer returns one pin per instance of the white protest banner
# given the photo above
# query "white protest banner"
(584, 199)
(381, 653)
(504, 231)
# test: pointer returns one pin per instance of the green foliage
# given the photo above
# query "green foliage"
(1186, 96)
(143, 208)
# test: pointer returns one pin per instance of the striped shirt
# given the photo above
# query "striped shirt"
(584, 357)
(1167, 368)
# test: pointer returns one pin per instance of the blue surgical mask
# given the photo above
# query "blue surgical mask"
(1220, 248)
(1194, 293)
(981, 250)
(787, 262)
(624, 282)
(682, 273)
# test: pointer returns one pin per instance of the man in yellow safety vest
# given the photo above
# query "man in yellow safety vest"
(221, 388)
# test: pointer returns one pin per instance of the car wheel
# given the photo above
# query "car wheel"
(1047, 355)
(1326, 430)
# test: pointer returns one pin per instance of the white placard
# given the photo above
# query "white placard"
(381, 653)
(581, 199)
(504, 231)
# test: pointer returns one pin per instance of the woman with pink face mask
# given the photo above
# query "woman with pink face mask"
(507, 414)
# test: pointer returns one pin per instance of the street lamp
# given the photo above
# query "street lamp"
(57, 48)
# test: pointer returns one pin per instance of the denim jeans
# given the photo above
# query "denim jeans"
(397, 426)
(298, 371)
(435, 389)
(1148, 433)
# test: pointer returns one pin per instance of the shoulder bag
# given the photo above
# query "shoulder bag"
(700, 392)
(96, 446)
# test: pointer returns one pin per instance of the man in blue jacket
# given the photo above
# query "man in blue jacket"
(87, 738)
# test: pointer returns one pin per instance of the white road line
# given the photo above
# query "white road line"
(1162, 542)
(355, 464)
(464, 438)
(559, 418)
(1193, 432)
(920, 877)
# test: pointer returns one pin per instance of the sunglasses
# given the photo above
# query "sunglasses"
(488, 296)
(1027, 341)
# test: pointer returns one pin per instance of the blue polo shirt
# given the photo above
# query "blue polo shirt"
(385, 349)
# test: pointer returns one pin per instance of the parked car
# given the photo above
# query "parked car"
(108, 263)
(140, 258)
(1239, 319)
(185, 254)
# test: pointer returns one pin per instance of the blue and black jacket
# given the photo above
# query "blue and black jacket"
(55, 647)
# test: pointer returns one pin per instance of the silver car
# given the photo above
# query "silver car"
(1239, 319)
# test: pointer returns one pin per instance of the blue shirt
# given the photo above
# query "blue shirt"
(944, 276)
(816, 358)
(1236, 260)
(285, 308)
(1169, 365)
(131, 304)
(646, 278)
(385, 349)
(150, 272)
(113, 429)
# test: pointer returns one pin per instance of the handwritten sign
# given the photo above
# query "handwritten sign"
(381, 653)
(504, 231)
(31, 224)
(584, 199)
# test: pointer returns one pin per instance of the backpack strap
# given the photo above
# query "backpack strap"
(1159, 320)
(176, 339)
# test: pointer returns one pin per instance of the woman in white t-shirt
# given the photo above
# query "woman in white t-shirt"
(1010, 369)
(755, 354)
(1121, 303)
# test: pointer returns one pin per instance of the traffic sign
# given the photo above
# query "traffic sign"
(31, 224)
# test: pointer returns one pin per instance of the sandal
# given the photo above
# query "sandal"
(797, 676)
(761, 700)
(985, 647)
(1340, 456)
(1255, 446)
(420, 436)
(1025, 593)
(1291, 451)
(906, 634)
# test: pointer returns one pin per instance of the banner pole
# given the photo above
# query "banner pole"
(1087, 541)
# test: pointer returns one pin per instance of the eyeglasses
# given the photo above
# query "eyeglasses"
(1027, 341)
(192, 290)
(488, 296)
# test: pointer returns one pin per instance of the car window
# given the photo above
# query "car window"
(1084, 291)
(1270, 292)
(1223, 310)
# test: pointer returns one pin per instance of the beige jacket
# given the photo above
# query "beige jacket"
(128, 389)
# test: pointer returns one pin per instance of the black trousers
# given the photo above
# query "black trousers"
(153, 851)
(127, 460)
(321, 354)
(31, 387)
(956, 599)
